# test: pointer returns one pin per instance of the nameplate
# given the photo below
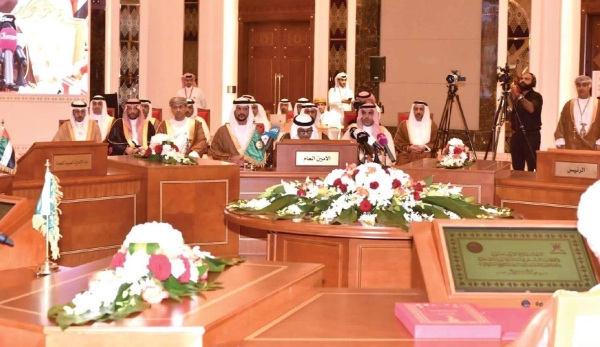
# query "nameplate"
(575, 170)
(314, 158)
(72, 162)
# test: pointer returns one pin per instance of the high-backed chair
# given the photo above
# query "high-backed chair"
(157, 114)
(110, 111)
(402, 116)
(205, 114)
(349, 118)
(290, 115)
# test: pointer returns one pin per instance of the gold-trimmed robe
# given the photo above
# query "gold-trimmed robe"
(567, 130)
(402, 142)
(196, 136)
(66, 133)
(119, 137)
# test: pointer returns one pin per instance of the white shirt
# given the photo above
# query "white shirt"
(331, 120)
(80, 130)
(582, 114)
(335, 97)
(180, 133)
(193, 93)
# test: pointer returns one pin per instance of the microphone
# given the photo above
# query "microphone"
(353, 132)
(260, 127)
(363, 138)
(6, 240)
(272, 135)
(383, 141)
(8, 45)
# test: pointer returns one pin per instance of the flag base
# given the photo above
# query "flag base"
(47, 268)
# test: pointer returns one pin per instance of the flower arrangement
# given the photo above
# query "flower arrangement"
(455, 155)
(368, 194)
(153, 264)
(162, 148)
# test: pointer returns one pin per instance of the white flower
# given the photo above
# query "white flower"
(168, 238)
(200, 254)
(289, 188)
(368, 218)
(587, 217)
(135, 266)
(194, 274)
(290, 210)
(333, 175)
(258, 204)
(455, 142)
(177, 267)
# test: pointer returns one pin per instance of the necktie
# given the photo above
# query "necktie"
(582, 131)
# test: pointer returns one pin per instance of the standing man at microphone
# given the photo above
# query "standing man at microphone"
(415, 136)
(368, 121)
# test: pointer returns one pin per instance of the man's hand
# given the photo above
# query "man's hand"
(131, 150)
(515, 91)
(238, 157)
(346, 101)
(416, 148)
(563, 146)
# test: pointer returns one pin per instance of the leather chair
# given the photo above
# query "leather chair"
(157, 114)
(205, 114)
(110, 111)
(349, 118)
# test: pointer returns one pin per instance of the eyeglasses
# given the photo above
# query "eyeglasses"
(305, 131)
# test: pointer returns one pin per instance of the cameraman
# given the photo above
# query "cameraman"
(528, 119)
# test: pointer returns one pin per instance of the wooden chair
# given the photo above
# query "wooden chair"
(205, 114)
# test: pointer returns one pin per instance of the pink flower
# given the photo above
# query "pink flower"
(160, 266)
(154, 294)
(117, 261)
(365, 206)
(185, 277)
(374, 185)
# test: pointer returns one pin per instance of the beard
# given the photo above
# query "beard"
(524, 86)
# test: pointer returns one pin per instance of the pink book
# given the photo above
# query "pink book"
(446, 321)
(512, 320)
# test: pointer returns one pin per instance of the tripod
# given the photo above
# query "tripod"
(500, 116)
(442, 135)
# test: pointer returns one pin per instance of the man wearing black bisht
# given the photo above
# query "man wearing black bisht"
(130, 134)
(528, 102)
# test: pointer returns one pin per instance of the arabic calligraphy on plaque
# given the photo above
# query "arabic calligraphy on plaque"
(579, 170)
(317, 158)
(72, 162)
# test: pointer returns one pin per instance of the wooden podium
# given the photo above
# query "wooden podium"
(553, 191)
(192, 198)
(315, 155)
(99, 206)
(15, 222)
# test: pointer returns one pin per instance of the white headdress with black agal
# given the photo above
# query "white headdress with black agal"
(104, 107)
(243, 133)
(80, 129)
(149, 103)
(261, 117)
(284, 101)
(419, 132)
(191, 102)
(301, 101)
(304, 121)
(309, 105)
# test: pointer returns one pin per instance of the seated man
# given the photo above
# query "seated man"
(579, 125)
(147, 109)
(304, 128)
(283, 107)
(328, 119)
(132, 133)
(79, 127)
(187, 133)
(308, 109)
(238, 137)
(192, 110)
(415, 136)
(368, 121)
(99, 114)
(260, 115)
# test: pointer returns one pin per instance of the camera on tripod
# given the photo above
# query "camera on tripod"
(455, 77)
(504, 76)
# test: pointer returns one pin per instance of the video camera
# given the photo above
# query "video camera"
(504, 76)
(455, 77)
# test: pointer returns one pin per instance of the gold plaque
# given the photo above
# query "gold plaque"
(575, 170)
(317, 158)
(72, 162)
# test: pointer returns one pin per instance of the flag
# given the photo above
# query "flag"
(255, 152)
(8, 163)
(45, 218)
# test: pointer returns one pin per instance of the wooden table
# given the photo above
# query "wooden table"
(189, 197)
(254, 294)
(354, 256)
(476, 180)
(347, 318)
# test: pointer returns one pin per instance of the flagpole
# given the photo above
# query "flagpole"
(47, 267)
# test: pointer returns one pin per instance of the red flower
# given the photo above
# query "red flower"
(416, 195)
(175, 148)
(355, 173)
(343, 188)
(374, 185)
(185, 277)
(337, 182)
(148, 152)
(419, 187)
(117, 261)
(387, 171)
(160, 266)
(365, 206)
(396, 183)
(457, 150)
(301, 192)
(158, 149)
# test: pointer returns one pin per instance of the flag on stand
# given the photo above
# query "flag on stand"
(8, 163)
(255, 152)
(45, 217)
